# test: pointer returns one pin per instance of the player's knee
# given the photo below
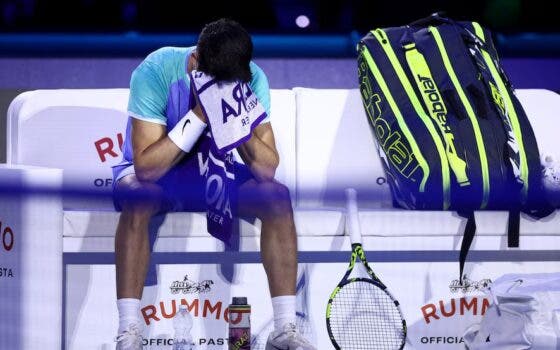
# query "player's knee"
(138, 201)
(276, 191)
(135, 219)
(276, 199)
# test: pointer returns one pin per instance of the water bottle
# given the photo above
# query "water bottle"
(239, 324)
(182, 323)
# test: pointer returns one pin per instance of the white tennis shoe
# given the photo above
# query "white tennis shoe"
(288, 339)
(130, 338)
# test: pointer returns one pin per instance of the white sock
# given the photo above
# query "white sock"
(284, 310)
(129, 312)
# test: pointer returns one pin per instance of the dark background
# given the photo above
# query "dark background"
(267, 16)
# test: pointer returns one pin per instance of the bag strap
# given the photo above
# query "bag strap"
(470, 230)
(468, 236)
(433, 19)
(513, 228)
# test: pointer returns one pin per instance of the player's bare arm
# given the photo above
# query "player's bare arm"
(154, 152)
(259, 153)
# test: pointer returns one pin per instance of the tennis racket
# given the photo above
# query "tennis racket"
(361, 313)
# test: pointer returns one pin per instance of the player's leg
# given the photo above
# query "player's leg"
(132, 249)
(139, 201)
(270, 202)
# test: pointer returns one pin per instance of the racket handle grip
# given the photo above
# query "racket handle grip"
(352, 219)
(351, 195)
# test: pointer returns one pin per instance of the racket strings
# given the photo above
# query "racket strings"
(363, 316)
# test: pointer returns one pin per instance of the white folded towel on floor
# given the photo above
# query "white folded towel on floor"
(231, 108)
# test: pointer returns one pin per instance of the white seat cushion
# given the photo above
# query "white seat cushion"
(283, 121)
(104, 224)
(78, 131)
(542, 108)
(336, 149)
(400, 222)
(81, 131)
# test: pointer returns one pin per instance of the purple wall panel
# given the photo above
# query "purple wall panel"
(533, 73)
(52, 73)
(20, 74)
(65, 73)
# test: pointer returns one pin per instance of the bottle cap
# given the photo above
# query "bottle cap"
(239, 301)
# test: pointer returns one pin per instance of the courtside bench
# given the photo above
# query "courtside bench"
(59, 250)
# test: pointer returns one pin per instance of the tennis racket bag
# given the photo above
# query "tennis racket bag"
(450, 131)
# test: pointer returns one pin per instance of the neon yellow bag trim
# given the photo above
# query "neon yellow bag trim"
(471, 115)
(436, 107)
(511, 114)
(400, 120)
(385, 44)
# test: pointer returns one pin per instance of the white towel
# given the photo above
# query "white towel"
(231, 108)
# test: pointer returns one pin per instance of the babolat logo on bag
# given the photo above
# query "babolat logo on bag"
(403, 161)
(450, 129)
(435, 102)
(435, 118)
(395, 147)
(392, 142)
(438, 112)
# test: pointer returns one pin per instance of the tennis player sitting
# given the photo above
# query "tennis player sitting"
(170, 154)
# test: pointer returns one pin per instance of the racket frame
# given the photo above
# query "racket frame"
(353, 226)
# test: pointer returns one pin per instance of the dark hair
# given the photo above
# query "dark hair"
(224, 51)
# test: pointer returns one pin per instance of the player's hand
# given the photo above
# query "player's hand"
(198, 111)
